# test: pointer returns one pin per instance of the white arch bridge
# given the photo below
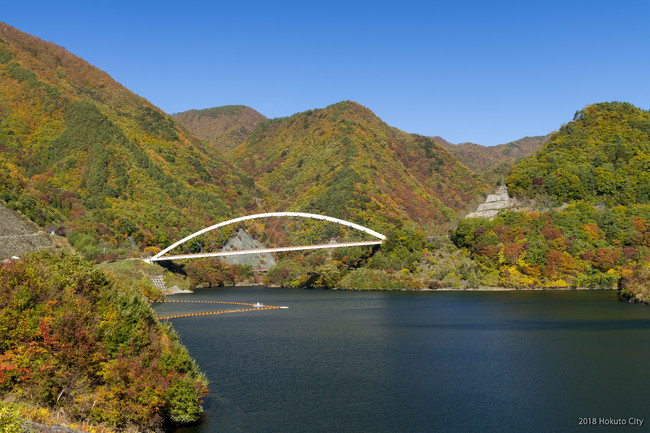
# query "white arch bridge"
(162, 255)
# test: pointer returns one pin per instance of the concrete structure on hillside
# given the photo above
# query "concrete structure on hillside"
(19, 236)
(496, 202)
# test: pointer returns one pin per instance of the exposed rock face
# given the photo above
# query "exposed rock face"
(243, 241)
(496, 202)
(19, 236)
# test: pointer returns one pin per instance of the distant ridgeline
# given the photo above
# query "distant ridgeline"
(598, 166)
(345, 162)
(493, 163)
(224, 128)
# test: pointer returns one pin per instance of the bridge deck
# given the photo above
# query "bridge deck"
(265, 250)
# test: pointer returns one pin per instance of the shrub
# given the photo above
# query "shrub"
(76, 341)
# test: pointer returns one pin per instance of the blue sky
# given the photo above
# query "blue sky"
(483, 71)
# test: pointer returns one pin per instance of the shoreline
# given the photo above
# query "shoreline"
(446, 289)
(512, 289)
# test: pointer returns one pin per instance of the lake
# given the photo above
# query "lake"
(519, 361)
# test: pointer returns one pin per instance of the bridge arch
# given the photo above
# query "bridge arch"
(161, 254)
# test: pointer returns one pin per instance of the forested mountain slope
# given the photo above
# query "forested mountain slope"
(81, 152)
(603, 155)
(598, 167)
(223, 128)
(346, 162)
(493, 163)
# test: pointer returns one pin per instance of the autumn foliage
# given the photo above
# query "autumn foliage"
(75, 341)
(345, 162)
(603, 155)
(213, 272)
(83, 156)
(578, 246)
(634, 285)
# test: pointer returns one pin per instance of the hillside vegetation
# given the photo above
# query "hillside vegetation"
(81, 153)
(90, 160)
(602, 156)
(599, 164)
(345, 162)
(493, 163)
(78, 344)
(222, 128)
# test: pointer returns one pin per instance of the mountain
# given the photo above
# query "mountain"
(345, 162)
(493, 163)
(223, 128)
(602, 155)
(80, 152)
(594, 175)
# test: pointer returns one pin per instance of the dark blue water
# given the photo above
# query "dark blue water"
(420, 362)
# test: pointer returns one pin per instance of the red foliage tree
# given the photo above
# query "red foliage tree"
(605, 258)
(211, 272)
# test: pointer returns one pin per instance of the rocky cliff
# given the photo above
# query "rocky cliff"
(244, 241)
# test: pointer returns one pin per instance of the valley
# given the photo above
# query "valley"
(94, 178)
